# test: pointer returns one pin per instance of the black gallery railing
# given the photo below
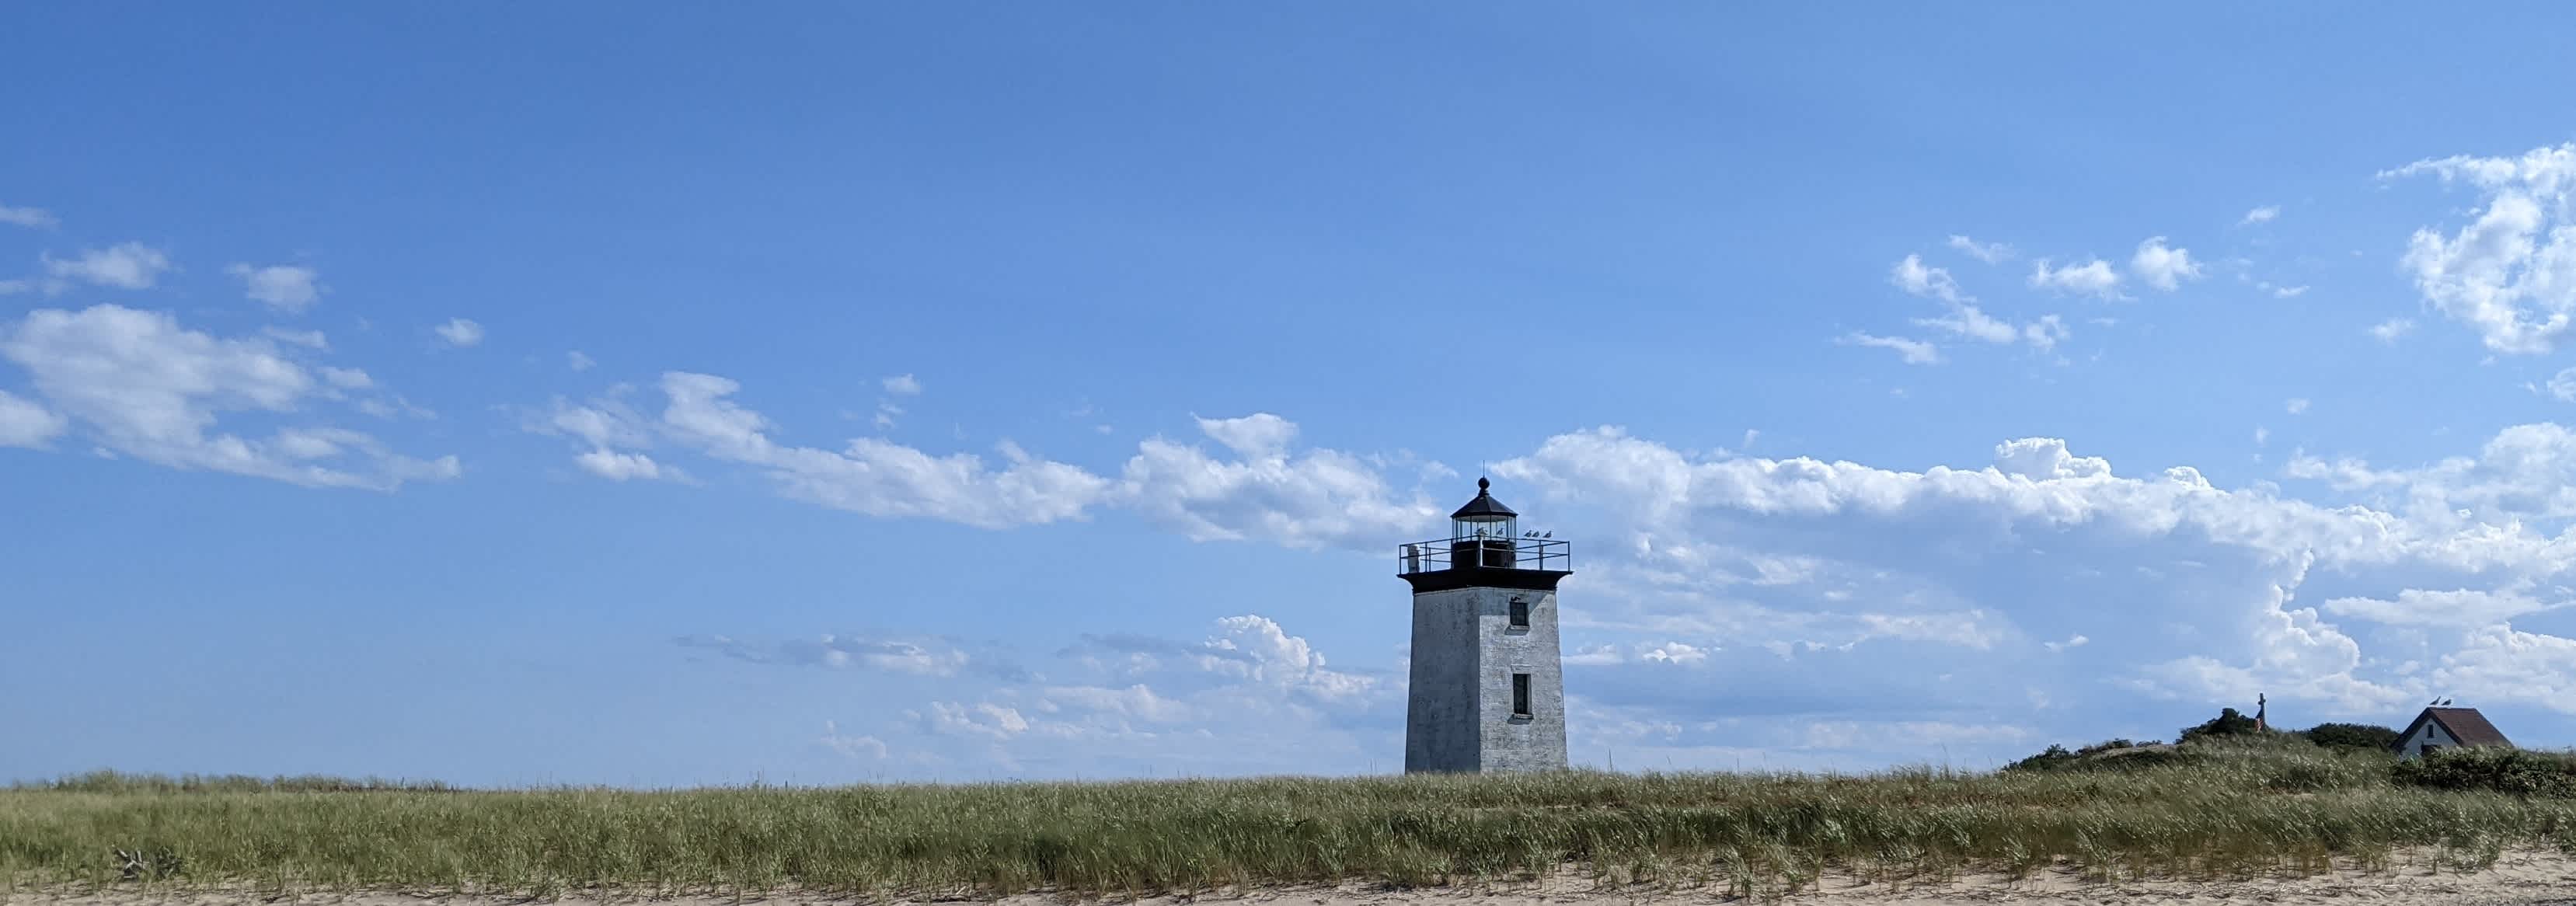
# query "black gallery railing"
(1483, 552)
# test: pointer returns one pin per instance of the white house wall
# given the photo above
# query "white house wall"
(2430, 733)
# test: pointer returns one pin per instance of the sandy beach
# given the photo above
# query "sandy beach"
(2518, 878)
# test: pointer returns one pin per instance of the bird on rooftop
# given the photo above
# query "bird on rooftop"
(2446, 703)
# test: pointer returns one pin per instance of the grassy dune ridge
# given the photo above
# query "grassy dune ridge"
(2239, 809)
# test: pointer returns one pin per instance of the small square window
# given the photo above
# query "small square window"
(1520, 695)
(1520, 612)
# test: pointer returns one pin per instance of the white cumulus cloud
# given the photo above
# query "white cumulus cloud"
(140, 384)
(460, 332)
(2091, 278)
(2510, 272)
(23, 423)
(2163, 267)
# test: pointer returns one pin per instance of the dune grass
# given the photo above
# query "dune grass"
(2236, 811)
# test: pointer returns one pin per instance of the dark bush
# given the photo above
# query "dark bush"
(2498, 769)
(2352, 736)
(2227, 723)
(2110, 745)
(2109, 755)
(2050, 759)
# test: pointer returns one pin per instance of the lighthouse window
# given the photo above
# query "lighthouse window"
(1520, 612)
(1520, 695)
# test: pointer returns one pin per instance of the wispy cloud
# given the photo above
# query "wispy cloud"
(1912, 352)
(37, 218)
(1988, 252)
(309, 339)
(285, 288)
(1964, 318)
(130, 265)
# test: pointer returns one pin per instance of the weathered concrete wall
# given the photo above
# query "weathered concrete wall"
(1459, 714)
(1536, 742)
(1441, 713)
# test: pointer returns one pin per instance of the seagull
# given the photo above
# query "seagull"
(2446, 703)
(1549, 534)
(2432, 703)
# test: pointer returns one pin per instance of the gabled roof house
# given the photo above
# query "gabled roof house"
(2448, 728)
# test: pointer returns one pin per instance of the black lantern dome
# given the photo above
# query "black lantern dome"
(1484, 517)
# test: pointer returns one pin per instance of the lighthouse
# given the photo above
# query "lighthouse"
(1488, 687)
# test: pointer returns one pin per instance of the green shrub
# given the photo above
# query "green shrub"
(2114, 744)
(2108, 755)
(2352, 736)
(2227, 723)
(2055, 757)
(2493, 769)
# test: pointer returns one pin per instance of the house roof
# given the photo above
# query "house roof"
(2466, 725)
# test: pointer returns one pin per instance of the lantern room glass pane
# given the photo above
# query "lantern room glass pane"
(1500, 528)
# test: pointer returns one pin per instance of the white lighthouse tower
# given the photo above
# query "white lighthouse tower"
(1488, 687)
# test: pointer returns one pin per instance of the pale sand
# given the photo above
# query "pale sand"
(2519, 878)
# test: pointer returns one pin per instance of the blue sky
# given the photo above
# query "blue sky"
(823, 393)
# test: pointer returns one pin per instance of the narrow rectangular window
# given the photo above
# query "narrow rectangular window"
(1520, 612)
(1520, 695)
